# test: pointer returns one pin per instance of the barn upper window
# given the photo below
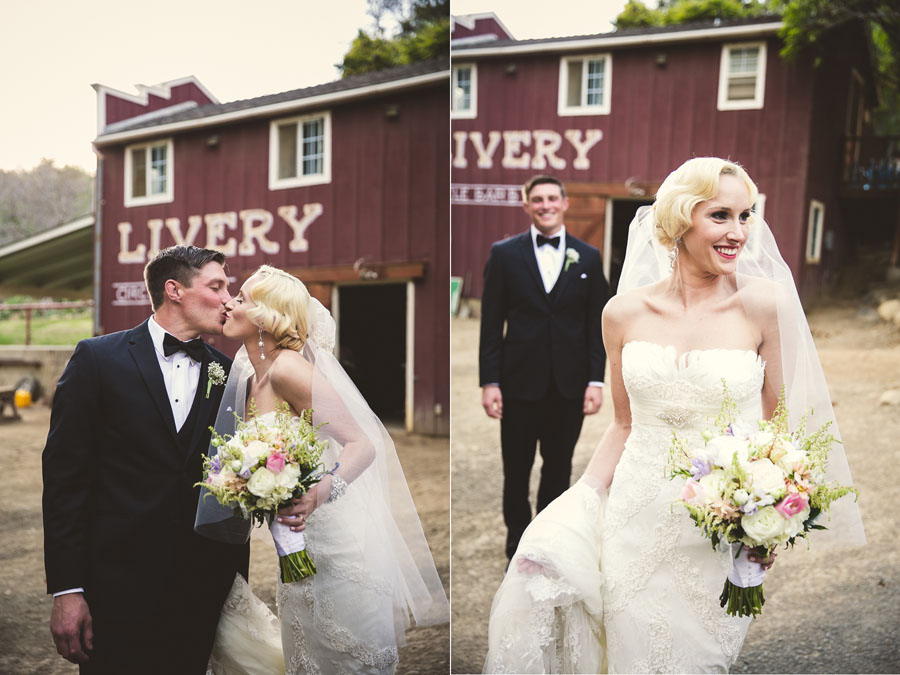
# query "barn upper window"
(464, 103)
(815, 231)
(742, 76)
(584, 84)
(148, 173)
(300, 151)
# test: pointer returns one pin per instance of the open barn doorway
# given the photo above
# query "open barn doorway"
(372, 328)
(620, 212)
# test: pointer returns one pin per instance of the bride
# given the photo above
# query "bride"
(375, 571)
(613, 576)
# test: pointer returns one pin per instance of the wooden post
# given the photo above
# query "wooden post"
(28, 326)
(895, 251)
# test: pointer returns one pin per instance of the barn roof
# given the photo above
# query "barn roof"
(735, 28)
(354, 86)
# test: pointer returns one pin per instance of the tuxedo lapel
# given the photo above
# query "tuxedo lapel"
(202, 405)
(526, 249)
(565, 275)
(141, 350)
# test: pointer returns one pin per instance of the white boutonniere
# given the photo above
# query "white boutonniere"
(572, 257)
(215, 375)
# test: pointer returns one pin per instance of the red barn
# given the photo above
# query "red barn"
(611, 114)
(343, 184)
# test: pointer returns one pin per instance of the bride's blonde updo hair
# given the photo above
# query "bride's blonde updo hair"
(281, 307)
(695, 181)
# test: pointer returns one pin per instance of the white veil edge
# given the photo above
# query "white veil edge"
(646, 262)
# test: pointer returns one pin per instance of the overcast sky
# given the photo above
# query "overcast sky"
(549, 18)
(51, 52)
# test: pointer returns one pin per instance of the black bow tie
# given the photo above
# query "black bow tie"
(552, 241)
(193, 348)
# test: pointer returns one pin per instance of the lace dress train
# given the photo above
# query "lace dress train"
(644, 583)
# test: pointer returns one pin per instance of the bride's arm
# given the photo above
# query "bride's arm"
(293, 380)
(600, 469)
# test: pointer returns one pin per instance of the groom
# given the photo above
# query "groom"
(545, 373)
(135, 589)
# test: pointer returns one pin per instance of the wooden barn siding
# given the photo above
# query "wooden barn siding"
(118, 109)
(387, 202)
(828, 121)
(660, 117)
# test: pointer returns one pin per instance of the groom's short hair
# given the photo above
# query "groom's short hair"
(181, 263)
(541, 179)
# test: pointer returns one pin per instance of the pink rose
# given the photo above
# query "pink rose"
(791, 505)
(275, 462)
(692, 493)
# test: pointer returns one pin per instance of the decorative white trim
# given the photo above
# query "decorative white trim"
(608, 237)
(610, 40)
(160, 198)
(283, 107)
(603, 108)
(162, 90)
(473, 40)
(756, 103)
(471, 112)
(410, 355)
(48, 235)
(276, 183)
(814, 236)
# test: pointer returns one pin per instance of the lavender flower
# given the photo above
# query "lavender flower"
(700, 467)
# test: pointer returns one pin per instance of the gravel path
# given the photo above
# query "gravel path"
(825, 613)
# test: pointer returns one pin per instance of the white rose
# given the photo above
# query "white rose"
(741, 497)
(725, 448)
(765, 527)
(762, 439)
(794, 525)
(287, 477)
(791, 458)
(262, 482)
(767, 477)
(713, 485)
(253, 451)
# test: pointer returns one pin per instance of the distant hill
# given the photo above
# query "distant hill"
(42, 198)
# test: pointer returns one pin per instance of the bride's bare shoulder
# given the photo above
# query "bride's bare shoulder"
(290, 369)
(625, 307)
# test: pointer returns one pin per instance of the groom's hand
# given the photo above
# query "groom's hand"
(492, 401)
(72, 627)
(593, 399)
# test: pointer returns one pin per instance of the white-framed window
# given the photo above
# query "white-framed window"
(149, 173)
(814, 233)
(585, 83)
(742, 76)
(300, 151)
(464, 91)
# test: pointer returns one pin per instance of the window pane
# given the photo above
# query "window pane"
(462, 92)
(573, 93)
(139, 172)
(158, 169)
(743, 60)
(814, 233)
(741, 88)
(313, 147)
(287, 150)
(595, 79)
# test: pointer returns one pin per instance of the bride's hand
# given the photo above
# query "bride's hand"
(527, 566)
(765, 562)
(295, 515)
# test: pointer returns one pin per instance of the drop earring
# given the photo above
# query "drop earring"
(262, 351)
(673, 254)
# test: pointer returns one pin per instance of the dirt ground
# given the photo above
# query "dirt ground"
(25, 643)
(825, 613)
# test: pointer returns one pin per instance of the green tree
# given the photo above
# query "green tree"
(423, 33)
(637, 14)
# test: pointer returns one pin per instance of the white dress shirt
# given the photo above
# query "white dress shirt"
(549, 259)
(180, 373)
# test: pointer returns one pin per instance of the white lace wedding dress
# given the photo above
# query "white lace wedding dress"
(340, 620)
(628, 583)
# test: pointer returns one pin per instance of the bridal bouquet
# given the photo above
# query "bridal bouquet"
(262, 467)
(760, 487)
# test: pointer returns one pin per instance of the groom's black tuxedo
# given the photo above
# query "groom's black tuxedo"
(552, 347)
(119, 507)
